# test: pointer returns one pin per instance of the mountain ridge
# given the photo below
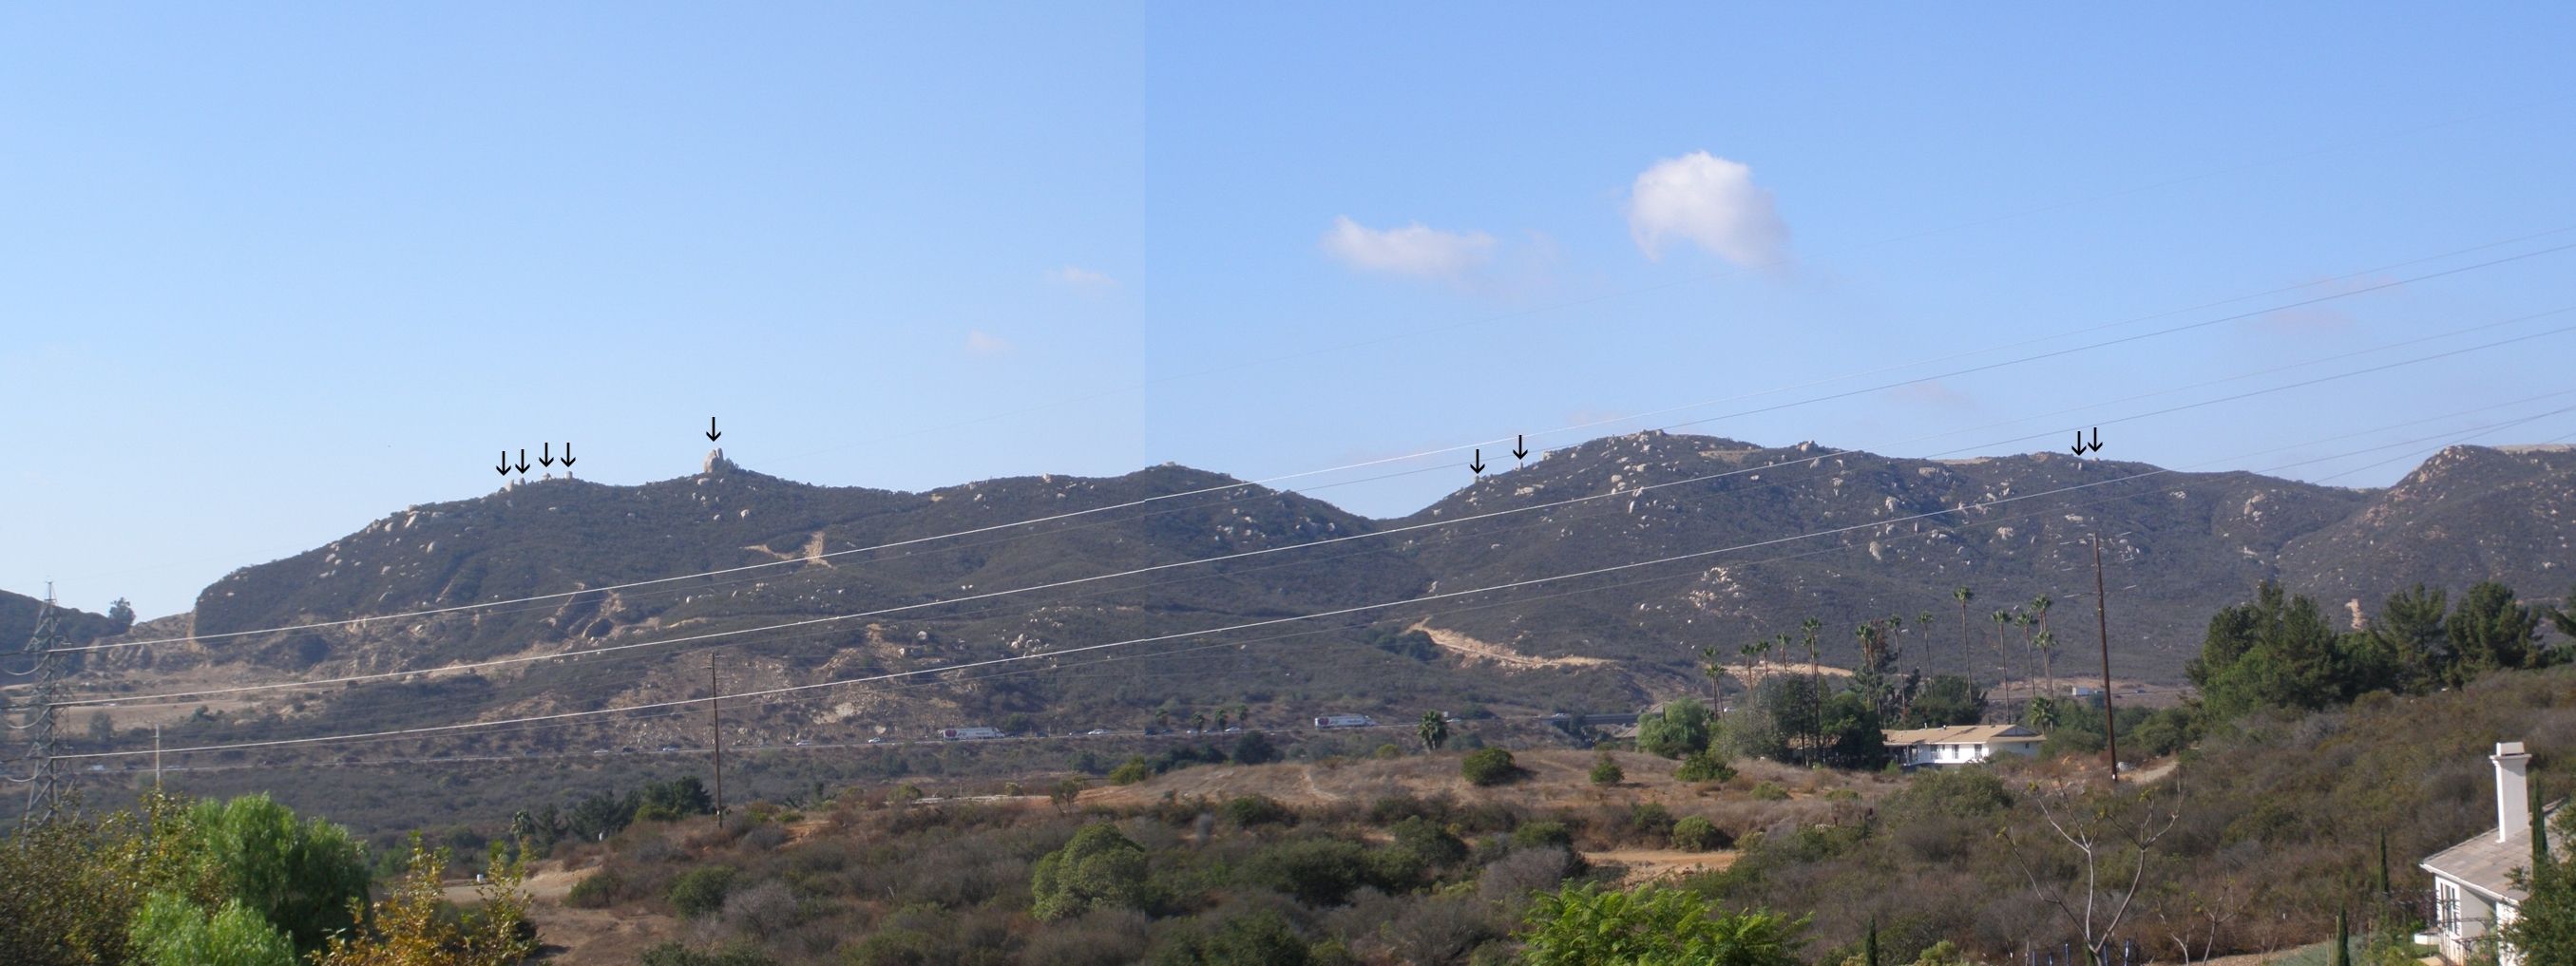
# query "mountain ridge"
(2178, 545)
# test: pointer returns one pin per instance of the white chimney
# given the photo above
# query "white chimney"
(2513, 795)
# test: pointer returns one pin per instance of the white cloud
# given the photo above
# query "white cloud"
(1711, 202)
(1413, 250)
(1929, 392)
(982, 343)
(1080, 278)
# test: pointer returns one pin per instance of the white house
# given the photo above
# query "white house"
(2473, 893)
(1960, 744)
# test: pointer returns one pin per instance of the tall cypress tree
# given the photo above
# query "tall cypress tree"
(1869, 946)
(2343, 941)
(2539, 833)
(2383, 863)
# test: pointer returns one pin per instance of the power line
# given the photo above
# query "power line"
(1268, 622)
(918, 679)
(2341, 294)
(1154, 568)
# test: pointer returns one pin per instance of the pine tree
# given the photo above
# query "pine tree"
(2343, 941)
(1869, 946)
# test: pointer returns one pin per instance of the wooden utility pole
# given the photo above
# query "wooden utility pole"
(715, 722)
(156, 759)
(2102, 616)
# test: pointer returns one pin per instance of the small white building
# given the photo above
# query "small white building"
(1960, 744)
(2473, 893)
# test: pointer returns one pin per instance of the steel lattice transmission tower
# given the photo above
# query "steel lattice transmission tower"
(44, 794)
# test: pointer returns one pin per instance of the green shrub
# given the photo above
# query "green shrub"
(1649, 822)
(1696, 834)
(1254, 748)
(1489, 766)
(1704, 766)
(1679, 728)
(171, 931)
(1585, 924)
(1251, 810)
(1606, 771)
(299, 876)
(1540, 834)
(599, 890)
(1131, 771)
(1262, 938)
(1426, 840)
(1317, 872)
(1387, 751)
(674, 954)
(700, 891)
(1769, 792)
(1100, 868)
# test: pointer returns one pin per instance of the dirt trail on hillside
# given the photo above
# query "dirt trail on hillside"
(1476, 650)
(579, 937)
(1649, 865)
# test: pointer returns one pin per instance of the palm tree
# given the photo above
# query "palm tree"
(1434, 730)
(2043, 714)
(2003, 617)
(2039, 608)
(2022, 619)
(1715, 667)
(1198, 722)
(1815, 687)
(1220, 719)
(1964, 595)
(2046, 642)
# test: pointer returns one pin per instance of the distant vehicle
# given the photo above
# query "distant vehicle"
(1233, 729)
(970, 734)
(1097, 731)
(670, 748)
(802, 744)
(876, 741)
(601, 751)
(1346, 721)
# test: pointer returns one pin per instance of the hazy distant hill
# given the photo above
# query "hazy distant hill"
(18, 620)
(2178, 546)
(2468, 513)
(2189, 542)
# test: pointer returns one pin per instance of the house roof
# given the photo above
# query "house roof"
(1964, 735)
(2484, 864)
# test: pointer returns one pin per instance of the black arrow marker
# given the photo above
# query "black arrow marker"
(2079, 444)
(505, 463)
(567, 456)
(547, 458)
(712, 435)
(1520, 449)
(523, 461)
(2097, 438)
(1479, 465)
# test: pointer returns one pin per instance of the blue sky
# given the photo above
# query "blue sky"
(274, 271)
